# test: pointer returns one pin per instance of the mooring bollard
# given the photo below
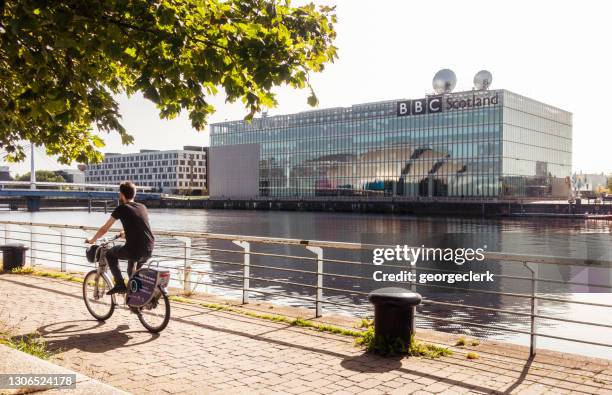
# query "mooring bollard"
(394, 312)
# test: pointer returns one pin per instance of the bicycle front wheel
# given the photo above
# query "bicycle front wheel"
(156, 315)
(95, 287)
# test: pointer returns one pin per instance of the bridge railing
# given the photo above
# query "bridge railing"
(335, 277)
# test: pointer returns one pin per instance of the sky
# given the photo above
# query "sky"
(556, 52)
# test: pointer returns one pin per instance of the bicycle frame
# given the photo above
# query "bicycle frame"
(102, 269)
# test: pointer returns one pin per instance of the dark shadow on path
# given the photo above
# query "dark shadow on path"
(372, 363)
(73, 335)
(522, 377)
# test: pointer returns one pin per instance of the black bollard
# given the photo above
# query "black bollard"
(13, 256)
(394, 313)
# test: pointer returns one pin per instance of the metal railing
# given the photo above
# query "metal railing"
(184, 254)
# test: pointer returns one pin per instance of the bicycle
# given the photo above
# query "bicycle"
(146, 289)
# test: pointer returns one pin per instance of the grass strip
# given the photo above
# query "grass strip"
(41, 273)
(301, 322)
(386, 346)
(32, 344)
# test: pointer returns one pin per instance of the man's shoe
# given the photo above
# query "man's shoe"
(117, 289)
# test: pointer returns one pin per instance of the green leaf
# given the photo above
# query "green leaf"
(131, 52)
(313, 100)
(97, 142)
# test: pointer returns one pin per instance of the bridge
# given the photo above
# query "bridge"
(15, 191)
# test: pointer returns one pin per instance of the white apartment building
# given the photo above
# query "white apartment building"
(174, 171)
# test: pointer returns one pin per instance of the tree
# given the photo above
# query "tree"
(61, 63)
(42, 176)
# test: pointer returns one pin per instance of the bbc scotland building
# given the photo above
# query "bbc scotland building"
(478, 143)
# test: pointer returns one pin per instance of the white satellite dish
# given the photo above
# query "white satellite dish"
(482, 80)
(444, 81)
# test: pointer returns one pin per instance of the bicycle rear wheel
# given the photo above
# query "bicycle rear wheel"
(156, 315)
(95, 287)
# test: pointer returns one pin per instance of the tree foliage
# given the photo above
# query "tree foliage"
(42, 176)
(62, 63)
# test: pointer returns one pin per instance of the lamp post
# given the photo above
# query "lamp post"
(32, 171)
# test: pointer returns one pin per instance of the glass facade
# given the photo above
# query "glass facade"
(476, 144)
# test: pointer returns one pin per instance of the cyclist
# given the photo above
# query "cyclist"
(139, 239)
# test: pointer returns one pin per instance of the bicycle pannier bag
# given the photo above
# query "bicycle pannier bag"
(145, 284)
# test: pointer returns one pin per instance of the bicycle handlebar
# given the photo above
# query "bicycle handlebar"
(106, 240)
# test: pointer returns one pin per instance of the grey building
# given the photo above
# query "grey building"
(173, 171)
(75, 176)
(5, 174)
(479, 143)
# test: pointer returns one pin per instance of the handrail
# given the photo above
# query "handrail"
(498, 256)
(306, 258)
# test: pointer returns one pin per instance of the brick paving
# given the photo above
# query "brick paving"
(206, 351)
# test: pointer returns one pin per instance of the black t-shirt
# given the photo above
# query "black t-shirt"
(139, 239)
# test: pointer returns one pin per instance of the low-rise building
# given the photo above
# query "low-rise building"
(173, 171)
(589, 182)
(5, 175)
(74, 176)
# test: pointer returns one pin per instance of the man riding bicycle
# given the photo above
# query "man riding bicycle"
(139, 239)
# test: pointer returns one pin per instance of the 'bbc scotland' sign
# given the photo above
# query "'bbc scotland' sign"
(421, 106)
(439, 103)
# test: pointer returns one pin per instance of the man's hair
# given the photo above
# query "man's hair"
(128, 189)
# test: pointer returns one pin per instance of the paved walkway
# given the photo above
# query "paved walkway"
(206, 351)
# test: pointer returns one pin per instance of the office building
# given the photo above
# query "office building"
(478, 143)
(173, 171)
(74, 176)
(5, 174)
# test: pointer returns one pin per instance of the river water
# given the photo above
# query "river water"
(549, 237)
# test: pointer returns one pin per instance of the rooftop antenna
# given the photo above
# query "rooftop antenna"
(444, 81)
(482, 80)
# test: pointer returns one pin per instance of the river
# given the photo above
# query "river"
(551, 237)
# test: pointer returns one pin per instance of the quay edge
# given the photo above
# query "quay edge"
(425, 207)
